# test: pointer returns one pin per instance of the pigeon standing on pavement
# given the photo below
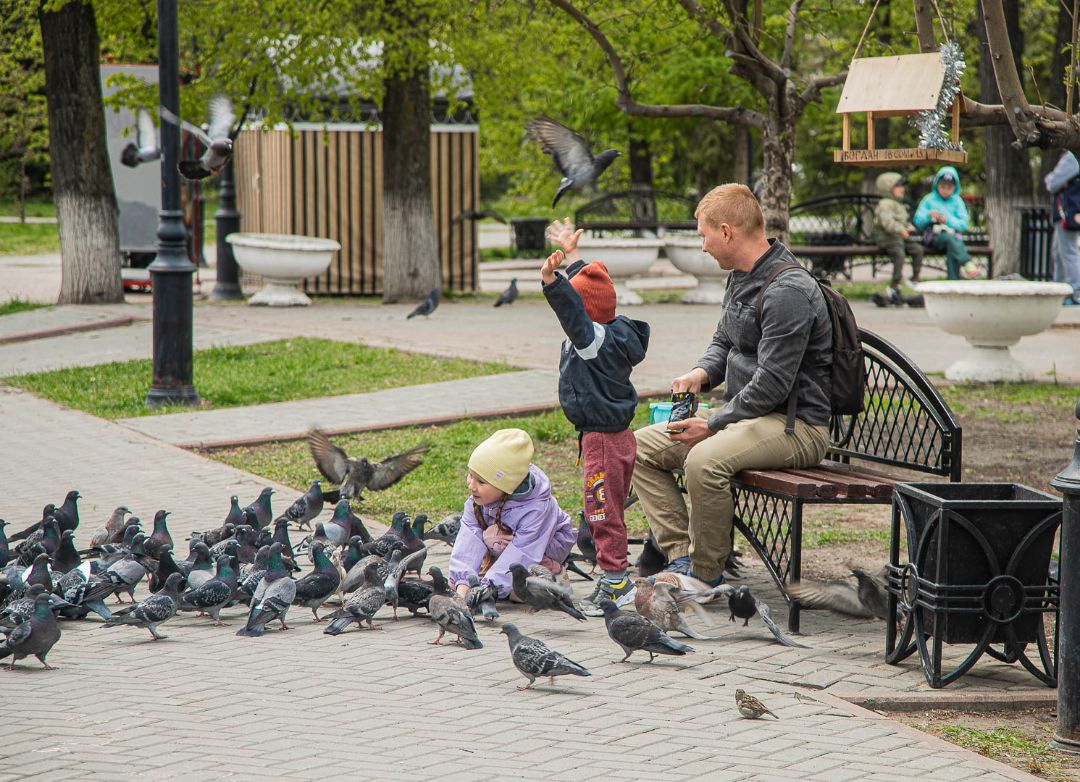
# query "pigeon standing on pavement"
(272, 598)
(633, 632)
(362, 606)
(356, 475)
(446, 530)
(306, 507)
(750, 707)
(482, 598)
(392, 581)
(214, 595)
(73, 586)
(866, 599)
(427, 306)
(159, 537)
(217, 141)
(744, 605)
(450, 613)
(145, 147)
(535, 658)
(261, 506)
(314, 588)
(508, 296)
(35, 636)
(158, 608)
(112, 526)
(571, 154)
(538, 593)
(66, 557)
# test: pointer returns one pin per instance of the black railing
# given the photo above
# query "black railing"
(1036, 233)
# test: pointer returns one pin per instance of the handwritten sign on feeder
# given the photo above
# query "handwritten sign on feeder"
(899, 86)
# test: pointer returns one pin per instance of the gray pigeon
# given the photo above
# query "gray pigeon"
(202, 567)
(307, 506)
(313, 589)
(362, 606)
(145, 147)
(23, 608)
(446, 530)
(450, 614)
(252, 575)
(122, 576)
(535, 658)
(866, 599)
(539, 593)
(427, 306)
(217, 141)
(35, 635)
(113, 525)
(663, 604)
(354, 579)
(73, 587)
(482, 597)
(571, 154)
(261, 506)
(214, 595)
(633, 632)
(272, 598)
(393, 578)
(508, 296)
(356, 475)
(744, 605)
(158, 608)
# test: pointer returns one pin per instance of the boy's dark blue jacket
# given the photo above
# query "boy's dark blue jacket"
(594, 371)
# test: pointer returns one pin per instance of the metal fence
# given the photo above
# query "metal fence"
(1036, 233)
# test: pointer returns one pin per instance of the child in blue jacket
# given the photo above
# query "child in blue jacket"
(598, 398)
(943, 211)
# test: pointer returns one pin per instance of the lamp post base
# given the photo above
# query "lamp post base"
(175, 395)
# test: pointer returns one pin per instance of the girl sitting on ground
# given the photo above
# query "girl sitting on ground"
(509, 518)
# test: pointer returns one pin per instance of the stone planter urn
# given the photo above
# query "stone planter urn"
(624, 258)
(685, 254)
(283, 261)
(992, 315)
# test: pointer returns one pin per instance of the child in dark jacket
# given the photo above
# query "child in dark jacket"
(598, 398)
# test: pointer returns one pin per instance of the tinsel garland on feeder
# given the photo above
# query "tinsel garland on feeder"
(932, 123)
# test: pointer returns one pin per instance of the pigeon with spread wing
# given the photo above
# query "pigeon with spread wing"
(571, 154)
(355, 475)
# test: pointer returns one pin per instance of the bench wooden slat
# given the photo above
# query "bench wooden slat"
(783, 481)
(852, 484)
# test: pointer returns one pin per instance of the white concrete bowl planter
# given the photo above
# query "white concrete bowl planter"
(624, 258)
(685, 254)
(992, 315)
(283, 261)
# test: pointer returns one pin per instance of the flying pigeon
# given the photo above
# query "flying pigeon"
(145, 147)
(633, 632)
(865, 600)
(154, 610)
(571, 154)
(744, 605)
(750, 707)
(35, 635)
(662, 603)
(217, 141)
(508, 296)
(539, 593)
(355, 475)
(535, 658)
(427, 306)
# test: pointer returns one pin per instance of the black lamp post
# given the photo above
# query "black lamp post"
(227, 220)
(1067, 737)
(171, 272)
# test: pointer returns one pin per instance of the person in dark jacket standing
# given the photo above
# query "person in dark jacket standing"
(762, 359)
(598, 398)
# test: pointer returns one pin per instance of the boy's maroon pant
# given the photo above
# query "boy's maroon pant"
(608, 459)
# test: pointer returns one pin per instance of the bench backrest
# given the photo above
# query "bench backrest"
(906, 422)
(848, 219)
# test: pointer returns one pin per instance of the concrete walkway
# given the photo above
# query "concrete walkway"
(205, 704)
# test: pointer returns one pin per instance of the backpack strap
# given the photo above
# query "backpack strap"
(789, 423)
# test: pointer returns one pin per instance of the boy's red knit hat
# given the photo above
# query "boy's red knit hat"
(593, 284)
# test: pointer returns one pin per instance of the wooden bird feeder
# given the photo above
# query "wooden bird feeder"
(894, 87)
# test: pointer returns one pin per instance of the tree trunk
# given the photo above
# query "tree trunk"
(410, 250)
(81, 179)
(1054, 91)
(1008, 170)
(778, 152)
(743, 165)
(642, 202)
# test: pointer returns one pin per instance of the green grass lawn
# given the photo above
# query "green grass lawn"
(12, 306)
(35, 207)
(252, 374)
(28, 238)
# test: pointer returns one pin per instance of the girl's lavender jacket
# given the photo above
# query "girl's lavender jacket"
(540, 529)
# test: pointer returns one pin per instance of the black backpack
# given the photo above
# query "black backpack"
(847, 380)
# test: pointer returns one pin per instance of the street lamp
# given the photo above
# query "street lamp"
(227, 221)
(1067, 737)
(171, 272)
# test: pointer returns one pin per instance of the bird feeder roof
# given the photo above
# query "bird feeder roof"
(892, 86)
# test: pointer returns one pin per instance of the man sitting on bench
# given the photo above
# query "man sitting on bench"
(767, 362)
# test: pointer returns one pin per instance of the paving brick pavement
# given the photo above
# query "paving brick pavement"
(384, 704)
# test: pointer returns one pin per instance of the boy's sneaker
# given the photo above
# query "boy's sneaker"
(621, 594)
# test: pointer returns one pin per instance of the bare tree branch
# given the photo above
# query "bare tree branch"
(1008, 80)
(737, 115)
(814, 88)
(789, 35)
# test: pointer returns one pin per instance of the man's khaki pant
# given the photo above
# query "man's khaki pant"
(705, 535)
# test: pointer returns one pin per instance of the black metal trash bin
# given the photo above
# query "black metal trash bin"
(529, 233)
(978, 556)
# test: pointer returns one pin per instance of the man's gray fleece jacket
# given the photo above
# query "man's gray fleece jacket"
(759, 359)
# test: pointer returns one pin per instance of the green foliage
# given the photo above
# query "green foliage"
(252, 374)
(24, 143)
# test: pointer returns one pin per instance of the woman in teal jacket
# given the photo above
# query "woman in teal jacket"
(943, 211)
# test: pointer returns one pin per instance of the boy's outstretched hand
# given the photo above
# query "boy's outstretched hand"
(553, 262)
(562, 233)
